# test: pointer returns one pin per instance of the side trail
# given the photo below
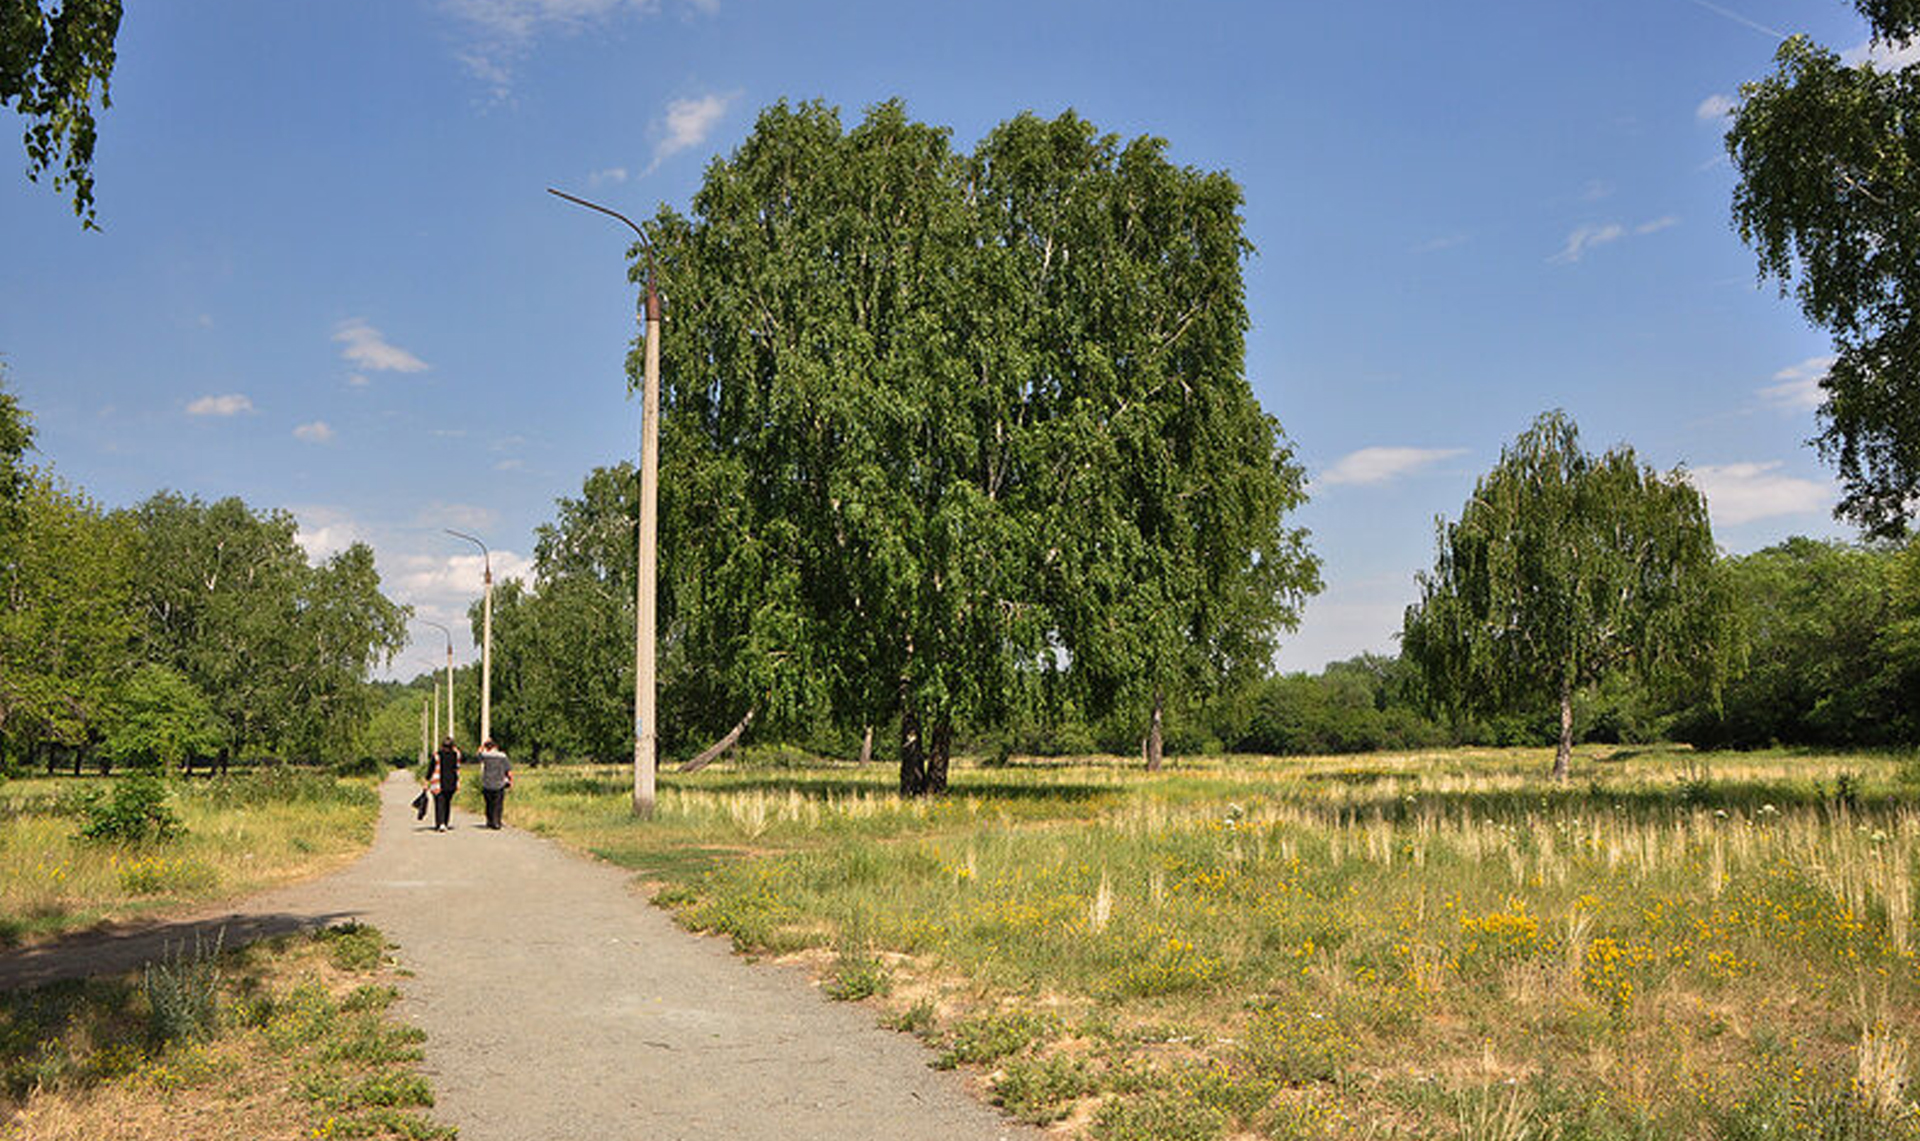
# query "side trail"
(559, 1005)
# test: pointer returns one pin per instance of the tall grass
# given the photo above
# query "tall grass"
(1682, 945)
(239, 834)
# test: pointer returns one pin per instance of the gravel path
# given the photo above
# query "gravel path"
(558, 1004)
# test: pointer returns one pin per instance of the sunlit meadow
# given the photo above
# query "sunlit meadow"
(1427, 945)
(241, 833)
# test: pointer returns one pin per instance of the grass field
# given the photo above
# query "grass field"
(287, 1039)
(241, 834)
(1434, 945)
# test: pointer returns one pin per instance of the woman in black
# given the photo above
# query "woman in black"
(444, 782)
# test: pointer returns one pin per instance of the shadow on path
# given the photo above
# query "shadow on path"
(114, 950)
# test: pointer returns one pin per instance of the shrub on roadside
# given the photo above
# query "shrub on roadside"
(136, 811)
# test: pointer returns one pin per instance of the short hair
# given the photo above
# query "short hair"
(487, 744)
(447, 743)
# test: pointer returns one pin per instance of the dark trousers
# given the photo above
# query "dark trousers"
(442, 806)
(496, 799)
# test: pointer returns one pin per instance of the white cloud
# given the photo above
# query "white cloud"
(1584, 239)
(613, 174)
(1797, 387)
(368, 349)
(688, 122)
(1596, 190)
(317, 432)
(441, 586)
(500, 33)
(358, 380)
(1443, 242)
(1742, 492)
(1370, 466)
(1886, 57)
(232, 404)
(510, 465)
(1715, 107)
(324, 531)
(460, 516)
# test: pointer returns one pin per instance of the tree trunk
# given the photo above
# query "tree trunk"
(1155, 743)
(913, 757)
(1563, 755)
(718, 747)
(938, 756)
(866, 746)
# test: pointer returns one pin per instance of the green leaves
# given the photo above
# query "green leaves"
(940, 428)
(65, 622)
(159, 720)
(53, 64)
(280, 647)
(1564, 569)
(1829, 198)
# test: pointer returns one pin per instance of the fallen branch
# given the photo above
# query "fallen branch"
(722, 745)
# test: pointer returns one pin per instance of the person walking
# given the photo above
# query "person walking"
(496, 777)
(443, 782)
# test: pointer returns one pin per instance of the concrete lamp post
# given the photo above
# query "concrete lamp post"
(433, 704)
(486, 637)
(644, 730)
(442, 627)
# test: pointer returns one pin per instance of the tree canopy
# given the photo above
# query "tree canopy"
(66, 627)
(54, 62)
(939, 428)
(281, 647)
(159, 720)
(1564, 569)
(1828, 157)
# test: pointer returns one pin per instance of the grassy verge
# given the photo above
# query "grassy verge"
(284, 1039)
(1433, 945)
(239, 834)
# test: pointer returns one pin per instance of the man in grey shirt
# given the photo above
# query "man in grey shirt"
(496, 777)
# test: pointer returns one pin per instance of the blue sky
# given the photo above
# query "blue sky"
(330, 280)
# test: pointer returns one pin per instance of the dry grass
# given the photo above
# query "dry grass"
(242, 835)
(300, 1043)
(1438, 944)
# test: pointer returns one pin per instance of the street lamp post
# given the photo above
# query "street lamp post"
(486, 637)
(433, 703)
(444, 629)
(644, 730)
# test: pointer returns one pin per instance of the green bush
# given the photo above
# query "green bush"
(135, 812)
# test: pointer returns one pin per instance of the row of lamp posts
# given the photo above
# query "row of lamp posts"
(645, 732)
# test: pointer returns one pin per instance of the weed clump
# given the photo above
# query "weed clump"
(183, 992)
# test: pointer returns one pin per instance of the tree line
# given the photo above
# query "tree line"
(175, 629)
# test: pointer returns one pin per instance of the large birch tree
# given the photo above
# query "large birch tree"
(1563, 569)
(938, 427)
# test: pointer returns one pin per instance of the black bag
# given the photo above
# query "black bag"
(420, 805)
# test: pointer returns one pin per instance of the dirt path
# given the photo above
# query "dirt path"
(557, 1004)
